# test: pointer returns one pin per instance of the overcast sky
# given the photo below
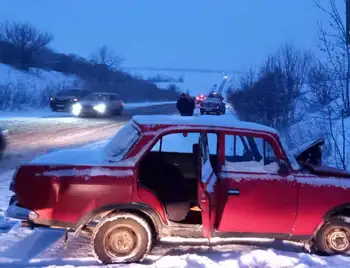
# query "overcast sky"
(215, 34)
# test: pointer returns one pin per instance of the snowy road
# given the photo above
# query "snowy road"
(30, 136)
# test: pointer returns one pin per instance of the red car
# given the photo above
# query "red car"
(183, 176)
(200, 98)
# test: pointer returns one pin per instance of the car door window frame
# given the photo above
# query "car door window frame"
(235, 135)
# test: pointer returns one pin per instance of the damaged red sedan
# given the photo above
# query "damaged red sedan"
(210, 177)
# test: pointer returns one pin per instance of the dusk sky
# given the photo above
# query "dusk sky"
(211, 34)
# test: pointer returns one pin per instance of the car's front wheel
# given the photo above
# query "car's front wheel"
(333, 237)
(122, 238)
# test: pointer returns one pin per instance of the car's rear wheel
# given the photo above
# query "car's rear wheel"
(122, 238)
(333, 237)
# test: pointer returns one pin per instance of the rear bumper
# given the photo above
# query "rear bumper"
(210, 110)
(16, 212)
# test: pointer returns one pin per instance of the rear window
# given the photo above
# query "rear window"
(122, 142)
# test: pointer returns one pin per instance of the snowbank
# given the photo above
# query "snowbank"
(20, 89)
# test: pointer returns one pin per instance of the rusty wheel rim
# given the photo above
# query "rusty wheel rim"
(121, 242)
(338, 240)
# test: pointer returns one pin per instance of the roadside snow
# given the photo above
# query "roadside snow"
(46, 112)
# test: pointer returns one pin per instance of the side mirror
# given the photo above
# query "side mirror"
(283, 169)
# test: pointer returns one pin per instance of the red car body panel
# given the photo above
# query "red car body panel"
(291, 204)
(316, 199)
(266, 210)
(148, 197)
(69, 198)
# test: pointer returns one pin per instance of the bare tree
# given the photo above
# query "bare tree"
(106, 56)
(27, 38)
(321, 82)
(271, 95)
(332, 42)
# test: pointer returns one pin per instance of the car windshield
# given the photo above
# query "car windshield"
(215, 95)
(72, 92)
(291, 158)
(97, 97)
(122, 142)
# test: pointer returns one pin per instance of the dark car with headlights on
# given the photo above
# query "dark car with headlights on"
(3, 141)
(99, 104)
(213, 106)
(64, 99)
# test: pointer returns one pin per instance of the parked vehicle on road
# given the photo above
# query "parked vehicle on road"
(215, 95)
(213, 106)
(99, 104)
(64, 100)
(200, 98)
(3, 141)
(166, 175)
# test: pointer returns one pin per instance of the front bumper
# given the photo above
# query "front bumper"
(61, 106)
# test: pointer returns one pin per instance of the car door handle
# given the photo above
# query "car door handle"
(233, 192)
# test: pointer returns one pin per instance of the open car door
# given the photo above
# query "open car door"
(206, 186)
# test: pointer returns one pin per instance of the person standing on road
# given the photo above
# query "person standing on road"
(185, 105)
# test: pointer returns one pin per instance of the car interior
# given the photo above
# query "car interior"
(172, 177)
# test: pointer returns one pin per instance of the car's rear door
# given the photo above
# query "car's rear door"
(206, 189)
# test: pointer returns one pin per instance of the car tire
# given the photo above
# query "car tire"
(333, 237)
(127, 231)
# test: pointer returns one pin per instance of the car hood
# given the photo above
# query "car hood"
(306, 146)
(91, 102)
(320, 170)
(58, 97)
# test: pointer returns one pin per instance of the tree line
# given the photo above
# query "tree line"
(24, 46)
(290, 78)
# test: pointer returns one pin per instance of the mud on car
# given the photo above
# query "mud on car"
(210, 177)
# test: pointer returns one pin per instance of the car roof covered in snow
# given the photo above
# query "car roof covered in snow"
(205, 120)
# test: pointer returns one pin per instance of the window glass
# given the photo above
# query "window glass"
(122, 142)
(249, 154)
(177, 143)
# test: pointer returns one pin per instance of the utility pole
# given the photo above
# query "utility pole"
(347, 4)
